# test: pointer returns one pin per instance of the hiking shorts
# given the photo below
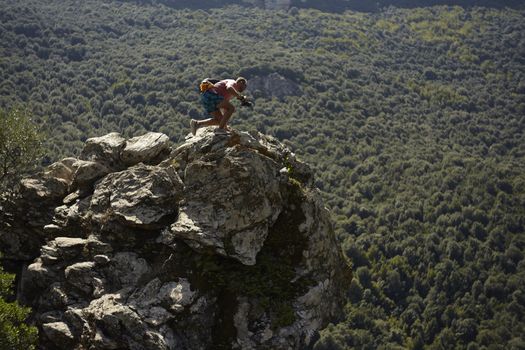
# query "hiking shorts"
(210, 101)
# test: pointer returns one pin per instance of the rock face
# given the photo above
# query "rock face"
(221, 242)
(274, 85)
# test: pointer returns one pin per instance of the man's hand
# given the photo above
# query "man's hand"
(246, 103)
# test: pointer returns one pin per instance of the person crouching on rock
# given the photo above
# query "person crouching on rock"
(216, 100)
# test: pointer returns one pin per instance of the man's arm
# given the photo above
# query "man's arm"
(234, 92)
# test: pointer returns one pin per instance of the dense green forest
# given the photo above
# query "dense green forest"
(413, 120)
(332, 5)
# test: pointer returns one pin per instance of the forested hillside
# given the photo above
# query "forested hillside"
(331, 5)
(413, 120)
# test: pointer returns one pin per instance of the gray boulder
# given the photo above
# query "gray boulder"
(87, 172)
(139, 196)
(145, 148)
(105, 150)
(61, 170)
(245, 202)
(43, 188)
(23, 217)
(60, 334)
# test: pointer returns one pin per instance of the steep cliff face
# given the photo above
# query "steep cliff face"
(221, 242)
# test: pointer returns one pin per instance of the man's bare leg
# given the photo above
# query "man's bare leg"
(217, 117)
(227, 110)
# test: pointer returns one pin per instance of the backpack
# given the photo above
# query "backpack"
(207, 84)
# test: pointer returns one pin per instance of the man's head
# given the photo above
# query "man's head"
(241, 83)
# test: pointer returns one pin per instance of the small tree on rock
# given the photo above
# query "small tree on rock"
(20, 147)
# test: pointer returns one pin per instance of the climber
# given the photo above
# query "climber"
(215, 97)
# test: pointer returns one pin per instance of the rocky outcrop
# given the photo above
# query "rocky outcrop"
(274, 85)
(54, 200)
(221, 242)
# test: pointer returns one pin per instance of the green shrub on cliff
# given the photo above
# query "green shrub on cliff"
(15, 334)
(20, 146)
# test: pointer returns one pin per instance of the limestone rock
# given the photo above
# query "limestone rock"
(128, 268)
(62, 248)
(104, 150)
(24, 217)
(68, 217)
(56, 297)
(43, 188)
(81, 275)
(177, 295)
(88, 172)
(144, 148)
(213, 245)
(25, 223)
(62, 170)
(246, 200)
(140, 196)
(60, 334)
